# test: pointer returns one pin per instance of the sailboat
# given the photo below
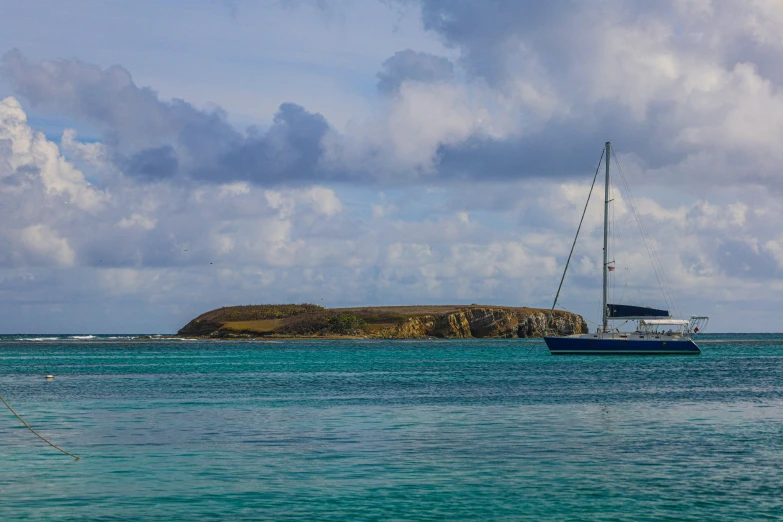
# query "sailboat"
(657, 332)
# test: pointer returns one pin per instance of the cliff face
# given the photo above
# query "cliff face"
(484, 323)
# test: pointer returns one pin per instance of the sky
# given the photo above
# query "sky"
(161, 159)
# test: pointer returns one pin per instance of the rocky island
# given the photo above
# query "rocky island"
(379, 322)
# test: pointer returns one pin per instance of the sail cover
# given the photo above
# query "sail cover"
(634, 312)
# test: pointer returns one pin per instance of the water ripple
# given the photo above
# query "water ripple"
(384, 430)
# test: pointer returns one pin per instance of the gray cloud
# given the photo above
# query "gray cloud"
(169, 250)
(152, 163)
(289, 151)
(561, 35)
(153, 139)
(409, 65)
(132, 117)
(566, 147)
(737, 259)
(570, 75)
(665, 81)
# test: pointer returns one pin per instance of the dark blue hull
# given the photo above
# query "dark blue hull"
(595, 346)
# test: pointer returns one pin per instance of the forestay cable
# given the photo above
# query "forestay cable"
(660, 273)
(568, 261)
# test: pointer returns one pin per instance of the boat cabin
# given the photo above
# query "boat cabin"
(667, 327)
(672, 327)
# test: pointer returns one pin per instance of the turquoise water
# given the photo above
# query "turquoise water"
(371, 430)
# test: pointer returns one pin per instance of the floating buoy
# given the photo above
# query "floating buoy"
(50, 376)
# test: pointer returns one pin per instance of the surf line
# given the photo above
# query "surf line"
(55, 446)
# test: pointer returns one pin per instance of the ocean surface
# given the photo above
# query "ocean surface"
(379, 430)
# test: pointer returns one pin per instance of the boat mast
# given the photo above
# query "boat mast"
(606, 235)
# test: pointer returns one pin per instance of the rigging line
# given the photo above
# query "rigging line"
(654, 260)
(631, 201)
(568, 261)
(625, 285)
(35, 432)
(666, 286)
(660, 274)
(618, 249)
(657, 259)
(614, 244)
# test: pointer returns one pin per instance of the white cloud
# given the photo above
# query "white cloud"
(400, 141)
(238, 188)
(94, 153)
(137, 220)
(322, 199)
(764, 20)
(45, 246)
(30, 150)
(123, 281)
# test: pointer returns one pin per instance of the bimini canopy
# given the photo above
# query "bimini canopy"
(634, 312)
(665, 322)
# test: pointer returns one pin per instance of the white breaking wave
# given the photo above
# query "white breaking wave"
(82, 337)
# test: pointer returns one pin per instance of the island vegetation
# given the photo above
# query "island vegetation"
(386, 322)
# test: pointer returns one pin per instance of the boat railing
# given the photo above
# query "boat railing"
(698, 323)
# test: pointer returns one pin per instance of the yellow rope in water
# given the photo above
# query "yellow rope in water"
(35, 432)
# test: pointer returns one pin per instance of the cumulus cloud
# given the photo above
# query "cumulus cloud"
(151, 139)
(54, 216)
(44, 246)
(412, 66)
(688, 87)
(688, 92)
(29, 158)
(670, 81)
(289, 151)
(171, 243)
(180, 248)
(133, 118)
